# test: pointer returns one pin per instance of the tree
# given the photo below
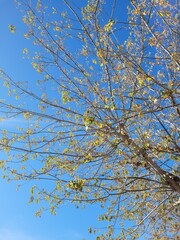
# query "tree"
(103, 124)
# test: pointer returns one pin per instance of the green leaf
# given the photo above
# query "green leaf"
(12, 28)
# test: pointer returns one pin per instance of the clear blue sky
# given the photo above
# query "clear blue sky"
(17, 221)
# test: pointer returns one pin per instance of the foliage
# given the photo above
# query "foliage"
(103, 125)
(12, 28)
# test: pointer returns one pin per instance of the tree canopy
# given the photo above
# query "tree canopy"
(102, 122)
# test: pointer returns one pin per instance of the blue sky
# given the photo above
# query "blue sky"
(17, 221)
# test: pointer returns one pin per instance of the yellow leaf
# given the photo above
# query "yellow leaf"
(170, 84)
(12, 28)
(25, 51)
(109, 25)
(137, 10)
(100, 53)
(47, 198)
